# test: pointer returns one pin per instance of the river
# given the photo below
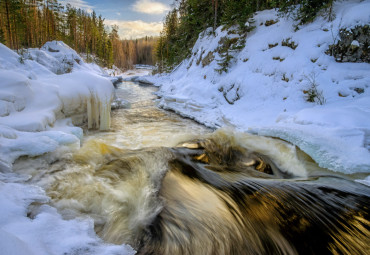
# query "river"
(168, 185)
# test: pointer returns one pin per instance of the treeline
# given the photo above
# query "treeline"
(131, 52)
(31, 23)
(190, 17)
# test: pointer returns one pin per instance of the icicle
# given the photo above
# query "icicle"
(98, 112)
(105, 108)
(89, 112)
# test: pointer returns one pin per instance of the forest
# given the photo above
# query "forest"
(31, 23)
(188, 18)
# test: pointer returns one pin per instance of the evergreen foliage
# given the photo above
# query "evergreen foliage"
(188, 18)
(304, 10)
(226, 48)
(2, 36)
(313, 94)
(31, 23)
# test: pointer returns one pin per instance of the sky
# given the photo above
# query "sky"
(135, 18)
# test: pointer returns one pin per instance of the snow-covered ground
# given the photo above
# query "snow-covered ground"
(264, 91)
(43, 93)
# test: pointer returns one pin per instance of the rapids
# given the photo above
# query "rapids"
(167, 185)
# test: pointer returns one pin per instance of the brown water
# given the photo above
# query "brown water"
(167, 185)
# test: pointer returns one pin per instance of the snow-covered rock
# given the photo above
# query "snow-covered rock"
(59, 58)
(266, 89)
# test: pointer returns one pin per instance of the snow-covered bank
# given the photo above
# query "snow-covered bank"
(44, 93)
(266, 88)
(138, 73)
(45, 233)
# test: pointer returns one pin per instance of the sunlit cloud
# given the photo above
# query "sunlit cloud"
(136, 29)
(150, 7)
(79, 4)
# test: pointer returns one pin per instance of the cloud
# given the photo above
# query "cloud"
(136, 29)
(150, 7)
(78, 4)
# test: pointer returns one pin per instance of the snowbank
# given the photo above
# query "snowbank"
(266, 87)
(43, 93)
(59, 58)
(45, 233)
(33, 97)
(137, 74)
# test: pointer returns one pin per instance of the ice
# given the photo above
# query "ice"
(45, 233)
(98, 112)
(83, 91)
(365, 181)
(34, 96)
(327, 147)
(138, 74)
(265, 89)
(44, 93)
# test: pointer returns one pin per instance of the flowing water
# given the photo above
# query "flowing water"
(167, 185)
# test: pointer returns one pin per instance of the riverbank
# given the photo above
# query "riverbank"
(154, 166)
(282, 84)
(44, 95)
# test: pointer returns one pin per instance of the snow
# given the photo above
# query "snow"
(355, 43)
(267, 86)
(46, 233)
(33, 97)
(137, 74)
(58, 57)
(44, 94)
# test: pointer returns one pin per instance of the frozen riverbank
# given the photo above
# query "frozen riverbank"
(267, 87)
(44, 93)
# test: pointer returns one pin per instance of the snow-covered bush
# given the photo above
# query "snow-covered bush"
(305, 11)
(313, 94)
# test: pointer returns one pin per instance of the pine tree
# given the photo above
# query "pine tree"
(194, 16)
(2, 36)
(30, 23)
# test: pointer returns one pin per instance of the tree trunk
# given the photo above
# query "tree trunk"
(8, 25)
(15, 38)
(215, 18)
